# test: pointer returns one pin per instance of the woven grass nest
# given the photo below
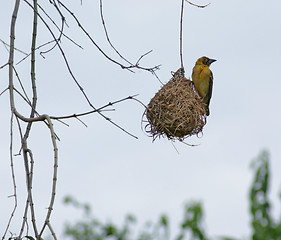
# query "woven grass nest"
(176, 111)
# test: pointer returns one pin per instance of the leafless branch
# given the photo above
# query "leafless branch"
(52, 231)
(73, 77)
(24, 222)
(25, 123)
(29, 175)
(32, 70)
(52, 200)
(13, 177)
(93, 111)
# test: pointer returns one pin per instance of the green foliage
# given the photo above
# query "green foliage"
(193, 221)
(91, 229)
(226, 238)
(264, 227)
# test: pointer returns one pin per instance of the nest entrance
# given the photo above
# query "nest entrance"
(176, 111)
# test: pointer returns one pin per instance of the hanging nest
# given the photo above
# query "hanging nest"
(176, 111)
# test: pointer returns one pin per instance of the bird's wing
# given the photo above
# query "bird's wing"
(210, 89)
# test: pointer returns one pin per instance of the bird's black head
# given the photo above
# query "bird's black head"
(205, 61)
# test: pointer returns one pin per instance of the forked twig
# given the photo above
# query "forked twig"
(52, 200)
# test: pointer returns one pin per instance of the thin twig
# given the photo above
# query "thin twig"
(11, 55)
(4, 65)
(11, 62)
(24, 222)
(44, 44)
(181, 20)
(25, 97)
(33, 82)
(54, 23)
(81, 121)
(107, 36)
(52, 231)
(200, 6)
(142, 56)
(28, 173)
(3, 91)
(13, 177)
(93, 111)
(60, 29)
(7, 45)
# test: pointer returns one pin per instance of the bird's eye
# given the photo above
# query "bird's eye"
(205, 60)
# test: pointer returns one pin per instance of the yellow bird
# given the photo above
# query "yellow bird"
(202, 78)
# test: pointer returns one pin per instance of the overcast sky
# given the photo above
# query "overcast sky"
(118, 174)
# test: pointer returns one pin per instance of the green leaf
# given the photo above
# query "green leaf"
(164, 221)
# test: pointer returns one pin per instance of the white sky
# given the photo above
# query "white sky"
(117, 174)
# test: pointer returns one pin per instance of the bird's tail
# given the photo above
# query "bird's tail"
(207, 110)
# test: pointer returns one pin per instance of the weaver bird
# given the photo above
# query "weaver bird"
(202, 78)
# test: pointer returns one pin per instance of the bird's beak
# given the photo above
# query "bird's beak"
(211, 61)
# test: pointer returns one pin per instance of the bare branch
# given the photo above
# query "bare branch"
(24, 222)
(73, 77)
(29, 175)
(93, 111)
(13, 177)
(52, 200)
(11, 55)
(32, 70)
(25, 122)
(52, 231)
